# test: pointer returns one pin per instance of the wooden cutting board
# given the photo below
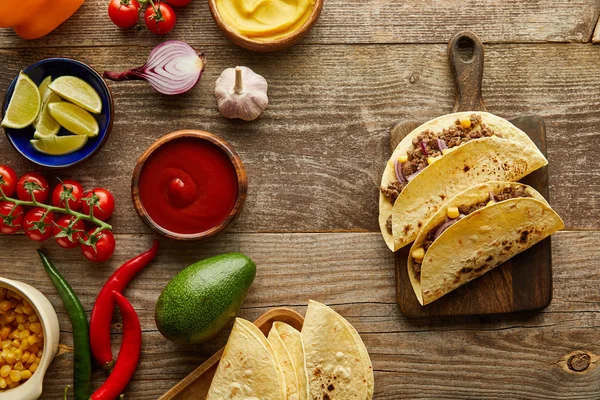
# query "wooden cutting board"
(195, 386)
(524, 283)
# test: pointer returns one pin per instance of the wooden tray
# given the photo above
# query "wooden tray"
(523, 283)
(195, 386)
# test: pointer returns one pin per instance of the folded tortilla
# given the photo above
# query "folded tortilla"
(284, 358)
(248, 368)
(495, 222)
(292, 340)
(505, 153)
(337, 361)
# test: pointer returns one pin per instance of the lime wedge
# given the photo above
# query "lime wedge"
(24, 105)
(77, 91)
(59, 145)
(44, 85)
(45, 125)
(74, 118)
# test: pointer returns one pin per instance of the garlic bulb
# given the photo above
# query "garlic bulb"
(241, 93)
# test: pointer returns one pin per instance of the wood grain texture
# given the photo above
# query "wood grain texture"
(515, 356)
(354, 21)
(315, 158)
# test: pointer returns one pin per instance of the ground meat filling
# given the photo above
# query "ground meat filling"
(388, 225)
(461, 132)
(506, 194)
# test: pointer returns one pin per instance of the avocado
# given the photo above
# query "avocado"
(203, 298)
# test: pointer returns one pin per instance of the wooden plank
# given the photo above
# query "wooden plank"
(351, 21)
(315, 158)
(515, 356)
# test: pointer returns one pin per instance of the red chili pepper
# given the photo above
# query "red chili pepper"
(129, 355)
(105, 304)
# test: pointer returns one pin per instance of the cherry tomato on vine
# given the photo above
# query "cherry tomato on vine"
(123, 13)
(104, 203)
(105, 246)
(33, 179)
(8, 180)
(76, 190)
(62, 230)
(10, 222)
(160, 18)
(36, 226)
(179, 3)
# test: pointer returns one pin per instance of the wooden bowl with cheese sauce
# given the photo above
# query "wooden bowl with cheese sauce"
(267, 25)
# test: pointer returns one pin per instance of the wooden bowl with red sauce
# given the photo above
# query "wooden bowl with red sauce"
(189, 185)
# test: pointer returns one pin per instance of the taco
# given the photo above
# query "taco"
(292, 340)
(476, 231)
(284, 358)
(418, 179)
(248, 367)
(337, 361)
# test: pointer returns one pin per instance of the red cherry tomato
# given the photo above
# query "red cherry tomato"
(62, 235)
(105, 203)
(123, 13)
(8, 180)
(31, 179)
(10, 222)
(160, 18)
(105, 247)
(179, 3)
(35, 227)
(76, 191)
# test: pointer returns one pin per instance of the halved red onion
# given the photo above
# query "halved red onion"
(446, 225)
(398, 169)
(173, 67)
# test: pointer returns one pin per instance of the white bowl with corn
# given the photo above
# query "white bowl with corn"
(29, 334)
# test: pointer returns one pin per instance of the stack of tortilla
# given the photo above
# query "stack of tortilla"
(449, 188)
(327, 360)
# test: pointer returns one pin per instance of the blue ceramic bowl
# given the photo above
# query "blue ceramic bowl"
(56, 67)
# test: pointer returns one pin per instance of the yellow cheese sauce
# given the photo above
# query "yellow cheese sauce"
(265, 19)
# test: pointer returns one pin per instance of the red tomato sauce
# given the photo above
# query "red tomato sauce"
(188, 186)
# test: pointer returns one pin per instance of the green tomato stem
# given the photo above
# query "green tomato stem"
(90, 218)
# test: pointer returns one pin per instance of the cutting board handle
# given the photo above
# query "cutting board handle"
(468, 73)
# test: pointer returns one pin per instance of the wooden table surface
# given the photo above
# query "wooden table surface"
(314, 162)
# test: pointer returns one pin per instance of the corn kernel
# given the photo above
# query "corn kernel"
(26, 374)
(35, 327)
(27, 309)
(430, 160)
(19, 309)
(34, 349)
(403, 158)
(4, 332)
(5, 371)
(3, 383)
(18, 354)
(6, 344)
(13, 385)
(10, 358)
(24, 334)
(32, 339)
(491, 202)
(418, 254)
(10, 316)
(15, 376)
(33, 318)
(452, 212)
(31, 359)
(38, 359)
(21, 327)
(33, 367)
(465, 123)
(445, 151)
(21, 318)
(25, 356)
(16, 343)
(19, 366)
(5, 305)
(24, 345)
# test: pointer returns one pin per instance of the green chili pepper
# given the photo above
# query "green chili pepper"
(82, 369)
